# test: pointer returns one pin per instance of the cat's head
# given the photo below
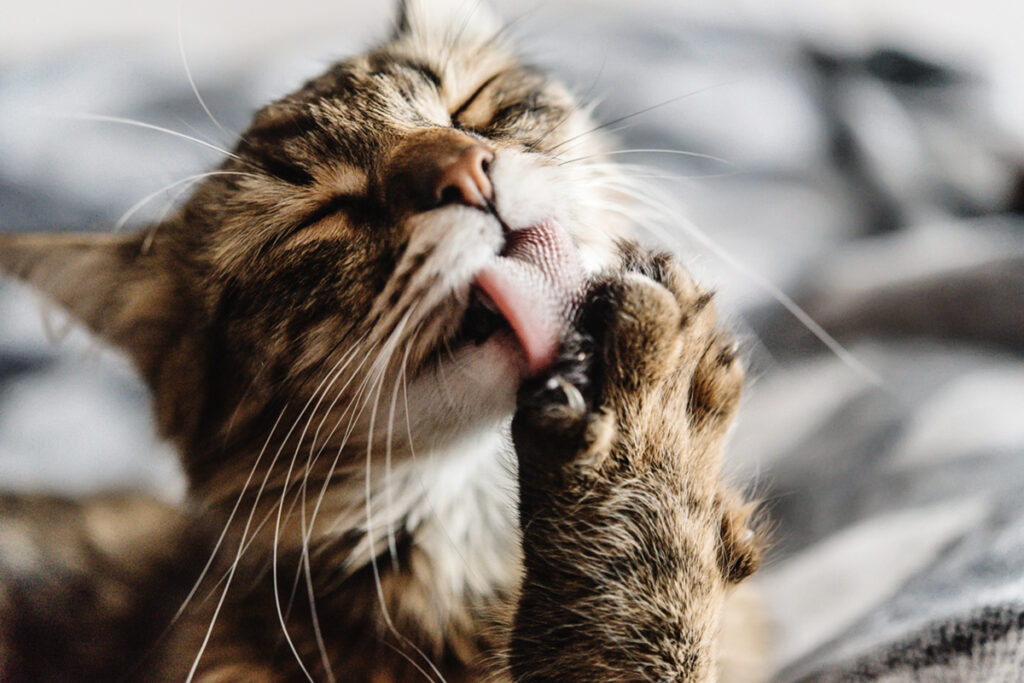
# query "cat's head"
(400, 231)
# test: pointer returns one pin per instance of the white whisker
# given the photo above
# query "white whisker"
(188, 74)
(661, 209)
(103, 118)
(318, 396)
(126, 216)
(677, 152)
(242, 546)
(369, 505)
(388, 494)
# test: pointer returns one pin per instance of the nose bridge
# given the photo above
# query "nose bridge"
(436, 167)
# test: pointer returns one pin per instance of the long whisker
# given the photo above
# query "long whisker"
(640, 112)
(369, 511)
(583, 103)
(679, 152)
(234, 564)
(660, 206)
(388, 494)
(375, 376)
(103, 118)
(304, 563)
(245, 531)
(191, 81)
(126, 216)
(318, 395)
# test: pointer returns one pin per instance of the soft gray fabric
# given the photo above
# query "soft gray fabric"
(871, 186)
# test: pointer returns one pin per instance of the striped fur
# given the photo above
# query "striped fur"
(352, 511)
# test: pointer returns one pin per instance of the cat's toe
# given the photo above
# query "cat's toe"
(654, 320)
(556, 410)
(714, 389)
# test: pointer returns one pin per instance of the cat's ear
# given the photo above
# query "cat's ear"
(442, 22)
(124, 293)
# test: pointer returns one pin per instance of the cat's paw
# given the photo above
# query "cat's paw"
(627, 525)
(641, 397)
(559, 420)
(671, 374)
(645, 359)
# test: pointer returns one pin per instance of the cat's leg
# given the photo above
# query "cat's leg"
(630, 538)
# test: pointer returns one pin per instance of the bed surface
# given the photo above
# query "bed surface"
(876, 184)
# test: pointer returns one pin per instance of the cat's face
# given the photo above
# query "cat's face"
(399, 232)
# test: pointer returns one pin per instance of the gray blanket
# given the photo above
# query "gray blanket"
(872, 186)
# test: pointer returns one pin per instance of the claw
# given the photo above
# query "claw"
(572, 396)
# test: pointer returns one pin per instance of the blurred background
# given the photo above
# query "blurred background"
(863, 159)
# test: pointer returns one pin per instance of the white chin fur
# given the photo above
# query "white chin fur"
(528, 192)
(476, 385)
(473, 388)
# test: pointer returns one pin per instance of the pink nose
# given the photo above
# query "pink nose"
(464, 180)
(437, 167)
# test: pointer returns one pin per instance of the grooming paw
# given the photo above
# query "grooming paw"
(645, 390)
(645, 354)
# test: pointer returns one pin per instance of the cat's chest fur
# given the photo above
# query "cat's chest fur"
(456, 505)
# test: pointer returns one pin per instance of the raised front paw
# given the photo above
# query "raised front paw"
(644, 392)
(645, 364)
(627, 525)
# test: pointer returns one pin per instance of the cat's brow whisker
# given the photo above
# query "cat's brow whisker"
(511, 24)
(187, 181)
(103, 118)
(191, 80)
(645, 110)
(585, 103)
(679, 152)
(456, 38)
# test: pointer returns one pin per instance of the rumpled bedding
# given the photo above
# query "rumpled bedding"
(871, 186)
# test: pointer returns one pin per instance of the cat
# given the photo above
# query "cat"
(440, 418)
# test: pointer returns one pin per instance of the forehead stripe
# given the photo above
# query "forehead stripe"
(294, 125)
(422, 69)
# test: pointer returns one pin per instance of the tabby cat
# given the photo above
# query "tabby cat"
(439, 419)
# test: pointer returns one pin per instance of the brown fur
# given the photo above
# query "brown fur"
(630, 538)
(275, 319)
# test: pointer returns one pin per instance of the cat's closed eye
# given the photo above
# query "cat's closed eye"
(327, 220)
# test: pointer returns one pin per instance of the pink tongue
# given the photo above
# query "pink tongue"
(536, 284)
